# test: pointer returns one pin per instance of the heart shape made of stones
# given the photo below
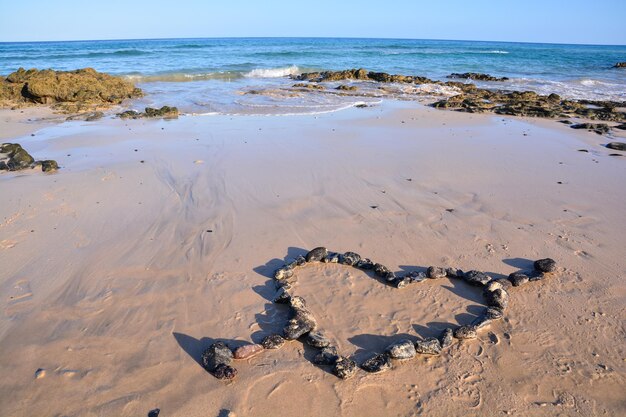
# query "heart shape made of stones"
(302, 325)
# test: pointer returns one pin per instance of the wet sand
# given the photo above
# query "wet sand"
(157, 237)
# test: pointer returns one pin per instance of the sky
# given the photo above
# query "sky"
(554, 21)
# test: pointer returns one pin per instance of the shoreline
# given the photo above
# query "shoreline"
(157, 237)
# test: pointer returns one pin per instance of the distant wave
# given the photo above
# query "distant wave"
(191, 46)
(273, 72)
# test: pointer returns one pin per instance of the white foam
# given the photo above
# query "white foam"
(273, 72)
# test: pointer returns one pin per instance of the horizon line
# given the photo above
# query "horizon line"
(308, 37)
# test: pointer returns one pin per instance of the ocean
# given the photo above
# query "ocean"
(251, 76)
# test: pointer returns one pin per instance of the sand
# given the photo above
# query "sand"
(157, 237)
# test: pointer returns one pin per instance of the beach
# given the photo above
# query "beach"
(156, 238)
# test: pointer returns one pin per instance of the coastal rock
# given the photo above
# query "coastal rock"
(434, 272)
(273, 341)
(297, 302)
(344, 368)
(317, 339)
(498, 298)
(282, 296)
(365, 264)
(13, 157)
(165, 112)
(620, 65)
(215, 355)
(331, 258)
(68, 90)
(327, 356)
(297, 262)
(317, 254)
(518, 278)
(618, 146)
(454, 273)
(344, 87)
(416, 276)
(431, 346)
(465, 332)
(381, 270)
(402, 282)
(350, 258)
(49, 165)
(309, 86)
(446, 338)
(224, 371)
(283, 273)
(247, 351)
(546, 265)
(302, 323)
(599, 128)
(476, 278)
(477, 76)
(377, 364)
(403, 349)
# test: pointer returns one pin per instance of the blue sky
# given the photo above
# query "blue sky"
(559, 21)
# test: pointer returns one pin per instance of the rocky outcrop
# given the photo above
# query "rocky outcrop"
(620, 65)
(165, 112)
(70, 91)
(360, 74)
(477, 76)
(14, 158)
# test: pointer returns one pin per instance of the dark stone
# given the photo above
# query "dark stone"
(282, 296)
(316, 255)
(165, 112)
(381, 270)
(350, 258)
(377, 364)
(299, 261)
(332, 258)
(215, 355)
(431, 346)
(302, 323)
(402, 282)
(435, 272)
(309, 85)
(273, 341)
(477, 76)
(344, 87)
(403, 349)
(476, 278)
(283, 273)
(446, 338)
(224, 372)
(620, 65)
(154, 413)
(327, 356)
(416, 276)
(545, 265)
(365, 263)
(344, 368)
(491, 314)
(599, 128)
(518, 278)
(49, 165)
(454, 273)
(13, 157)
(465, 332)
(317, 339)
(498, 298)
(390, 277)
(618, 146)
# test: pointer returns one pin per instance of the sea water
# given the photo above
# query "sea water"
(252, 75)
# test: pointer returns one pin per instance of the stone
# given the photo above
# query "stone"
(350, 258)
(282, 296)
(620, 65)
(247, 351)
(224, 372)
(402, 282)
(446, 338)
(365, 264)
(283, 273)
(403, 349)
(297, 262)
(434, 272)
(344, 368)
(13, 157)
(465, 332)
(297, 302)
(390, 277)
(273, 341)
(331, 258)
(302, 323)
(477, 76)
(154, 413)
(317, 339)
(518, 278)
(215, 355)
(381, 270)
(490, 315)
(498, 298)
(618, 146)
(49, 165)
(416, 276)
(327, 356)
(344, 87)
(476, 278)
(165, 112)
(454, 273)
(599, 128)
(535, 276)
(316, 255)
(377, 364)
(546, 265)
(430, 346)
(309, 85)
